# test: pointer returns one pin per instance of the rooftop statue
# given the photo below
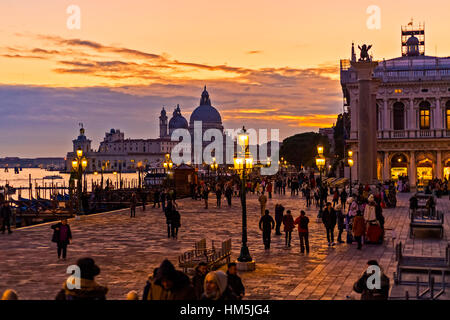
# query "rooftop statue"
(364, 56)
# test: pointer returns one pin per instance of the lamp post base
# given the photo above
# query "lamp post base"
(244, 255)
(246, 266)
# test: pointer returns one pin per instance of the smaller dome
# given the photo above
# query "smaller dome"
(178, 121)
(112, 131)
(412, 41)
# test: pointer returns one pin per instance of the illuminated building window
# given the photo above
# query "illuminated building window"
(447, 115)
(398, 90)
(424, 115)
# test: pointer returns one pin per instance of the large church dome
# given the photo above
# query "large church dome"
(205, 112)
(177, 121)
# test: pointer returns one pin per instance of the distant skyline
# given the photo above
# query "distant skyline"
(266, 64)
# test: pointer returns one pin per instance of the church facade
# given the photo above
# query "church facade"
(116, 153)
(413, 113)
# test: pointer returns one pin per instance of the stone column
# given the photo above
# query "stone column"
(386, 174)
(375, 83)
(367, 133)
(412, 169)
(412, 118)
(439, 164)
(387, 119)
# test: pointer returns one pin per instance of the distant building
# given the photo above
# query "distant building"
(413, 112)
(329, 133)
(44, 163)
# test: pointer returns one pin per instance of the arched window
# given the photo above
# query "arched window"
(447, 114)
(399, 116)
(424, 115)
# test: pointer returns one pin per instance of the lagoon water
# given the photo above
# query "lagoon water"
(22, 179)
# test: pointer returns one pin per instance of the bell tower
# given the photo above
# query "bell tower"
(163, 124)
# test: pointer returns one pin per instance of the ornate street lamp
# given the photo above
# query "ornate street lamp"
(243, 163)
(214, 166)
(167, 164)
(350, 164)
(79, 165)
(320, 163)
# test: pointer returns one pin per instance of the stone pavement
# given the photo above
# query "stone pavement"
(127, 250)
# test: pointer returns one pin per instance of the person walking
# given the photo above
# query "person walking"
(218, 195)
(343, 197)
(279, 211)
(266, 224)
(156, 198)
(329, 221)
(340, 222)
(288, 222)
(133, 203)
(168, 213)
(62, 236)
(229, 194)
(269, 189)
(143, 197)
(359, 228)
(175, 223)
(303, 233)
(5, 214)
(163, 197)
(262, 202)
(205, 195)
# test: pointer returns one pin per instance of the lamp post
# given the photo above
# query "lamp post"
(320, 163)
(168, 164)
(79, 164)
(214, 166)
(350, 164)
(243, 163)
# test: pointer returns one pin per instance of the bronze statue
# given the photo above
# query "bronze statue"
(364, 56)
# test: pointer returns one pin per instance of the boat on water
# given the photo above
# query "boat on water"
(54, 177)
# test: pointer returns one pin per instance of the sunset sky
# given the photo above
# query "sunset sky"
(266, 63)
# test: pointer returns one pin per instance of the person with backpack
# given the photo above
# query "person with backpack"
(303, 232)
(288, 222)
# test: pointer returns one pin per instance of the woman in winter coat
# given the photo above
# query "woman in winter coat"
(288, 222)
(359, 228)
(216, 287)
(62, 235)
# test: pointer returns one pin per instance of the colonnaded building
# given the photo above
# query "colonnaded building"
(413, 112)
(117, 153)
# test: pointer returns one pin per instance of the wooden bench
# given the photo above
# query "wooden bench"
(420, 263)
(220, 257)
(212, 257)
(427, 223)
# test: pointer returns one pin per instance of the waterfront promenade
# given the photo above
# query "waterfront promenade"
(127, 250)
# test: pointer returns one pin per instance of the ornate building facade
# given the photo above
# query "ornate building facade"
(116, 153)
(413, 113)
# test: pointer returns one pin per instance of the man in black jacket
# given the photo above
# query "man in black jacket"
(234, 281)
(266, 224)
(329, 220)
(279, 210)
(62, 236)
(198, 280)
(5, 214)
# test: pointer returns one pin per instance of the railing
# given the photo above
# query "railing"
(413, 134)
